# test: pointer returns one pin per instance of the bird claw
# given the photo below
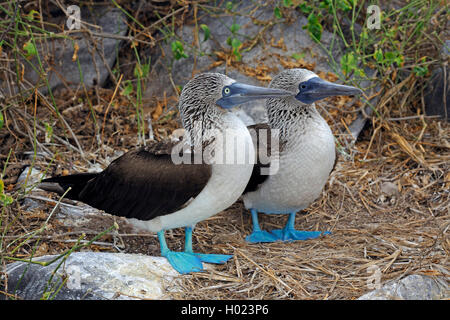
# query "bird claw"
(290, 234)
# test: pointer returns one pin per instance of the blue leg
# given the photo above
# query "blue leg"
(181, 261)
(209, 258)
(258, 235)
(288, 233)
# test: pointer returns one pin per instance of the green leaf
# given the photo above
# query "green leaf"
(32, 14)
(391, 57)
(306, 9)
(344, 5)
(234, 27)
(298, 56)
(326, 4)
(178, 50)
(420, 71)
(2, 121)
(277, 13)
(237, 55)
(229, 6)
(399, 59)
(314, 27)
(287, 3)
(30, 49)
(128, 89)
(236, 43)
(348, 63)
(7, 200)
(378, 55)
(206, 31)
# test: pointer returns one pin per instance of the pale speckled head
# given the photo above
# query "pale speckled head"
(218, 89)
(210, 92)
(207, 96)
(202, 92)
(289, 114)
(291, 78)
(308, 87)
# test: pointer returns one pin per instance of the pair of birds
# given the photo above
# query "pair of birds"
(156, 194)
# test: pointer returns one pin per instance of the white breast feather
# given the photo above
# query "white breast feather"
(225, 186)
(304, 168)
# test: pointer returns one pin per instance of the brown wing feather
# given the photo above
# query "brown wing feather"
(144, 184)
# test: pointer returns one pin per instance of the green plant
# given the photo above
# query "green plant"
(234, 42)
(206, 32)
(5, 199)
(127, 89)
(178, 50)
(314, 26)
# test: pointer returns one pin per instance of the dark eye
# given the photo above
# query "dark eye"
(226, 91)
(303, 86)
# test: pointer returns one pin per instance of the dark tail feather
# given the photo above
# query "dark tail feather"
(60, 184)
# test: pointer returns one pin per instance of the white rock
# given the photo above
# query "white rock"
(96, 275)
(412, 287)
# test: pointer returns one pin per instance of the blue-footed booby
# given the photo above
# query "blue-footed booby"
(156, 192)
(305, 157)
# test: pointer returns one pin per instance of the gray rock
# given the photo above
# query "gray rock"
(412, 287)
(93, 276)
(29, 178)
(96, 53)
(296, 40)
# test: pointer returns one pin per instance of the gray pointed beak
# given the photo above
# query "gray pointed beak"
(238, 93)
(317, 89)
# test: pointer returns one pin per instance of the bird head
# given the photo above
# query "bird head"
(308, 87)
(215, 89)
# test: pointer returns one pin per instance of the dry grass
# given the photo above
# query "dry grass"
(386, 211)
(387, 203)
(388, 206)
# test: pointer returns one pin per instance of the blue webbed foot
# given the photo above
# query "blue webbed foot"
(203, 257)
(184, 262)
(261, 236)
(294, 235)
(213, 258)
(288, 233)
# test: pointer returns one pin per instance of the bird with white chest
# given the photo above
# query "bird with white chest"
(304, 158)
(156, 192)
